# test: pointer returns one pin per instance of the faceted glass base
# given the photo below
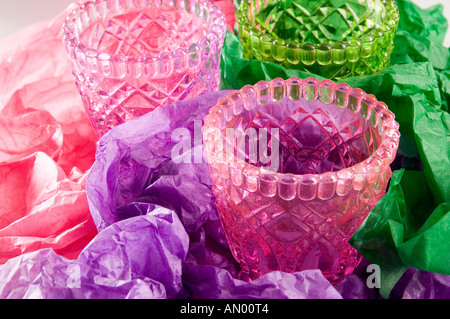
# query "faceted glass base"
(131, 60)
(331, 38)
(335, 145)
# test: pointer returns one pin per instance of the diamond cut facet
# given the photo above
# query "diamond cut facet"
(302, 215)
(135, 57)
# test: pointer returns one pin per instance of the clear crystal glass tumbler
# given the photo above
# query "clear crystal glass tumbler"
(296, 166)
(131, 57)
(331, 38)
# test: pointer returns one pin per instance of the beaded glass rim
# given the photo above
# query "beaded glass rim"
(340, 182)
(89, 11)
(352, 47)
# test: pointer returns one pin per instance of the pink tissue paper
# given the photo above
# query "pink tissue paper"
(46, 147)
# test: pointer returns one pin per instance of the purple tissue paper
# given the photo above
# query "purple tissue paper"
(159, 233)
(135, 258)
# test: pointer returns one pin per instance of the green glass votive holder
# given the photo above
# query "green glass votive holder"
(331, 38)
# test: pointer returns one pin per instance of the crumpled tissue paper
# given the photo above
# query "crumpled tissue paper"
(159, 235)
(46, 147)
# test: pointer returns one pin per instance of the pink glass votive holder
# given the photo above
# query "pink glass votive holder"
(330, 151)
(131, 57)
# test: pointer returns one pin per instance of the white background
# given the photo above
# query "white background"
(16, 14)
